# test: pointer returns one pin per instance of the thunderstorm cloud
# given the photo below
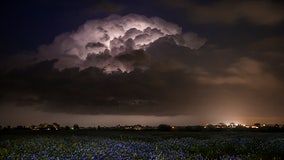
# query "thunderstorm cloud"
(115, 65)
(98, 43)
(136, 65)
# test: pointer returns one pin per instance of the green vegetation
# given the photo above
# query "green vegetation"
(140, 145)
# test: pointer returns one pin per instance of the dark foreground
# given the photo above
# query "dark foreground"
(141, 145)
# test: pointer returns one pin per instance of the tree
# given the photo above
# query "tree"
(164, 127)
(76, 127)
(67, 128)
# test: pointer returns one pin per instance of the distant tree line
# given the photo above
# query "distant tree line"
(161, 127)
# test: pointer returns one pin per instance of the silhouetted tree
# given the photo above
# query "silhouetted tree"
(164, 127)
(56, 126)
(76, 127)
(67, 128)
(19, 127)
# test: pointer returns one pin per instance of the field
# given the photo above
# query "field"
(141, 145)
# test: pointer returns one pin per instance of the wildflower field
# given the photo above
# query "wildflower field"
(117, 145)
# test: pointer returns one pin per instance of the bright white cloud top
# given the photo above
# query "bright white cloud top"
(113, 36)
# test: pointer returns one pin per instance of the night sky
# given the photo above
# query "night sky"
(110, 62)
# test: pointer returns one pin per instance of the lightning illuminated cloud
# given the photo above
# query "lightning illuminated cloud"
(97, 43)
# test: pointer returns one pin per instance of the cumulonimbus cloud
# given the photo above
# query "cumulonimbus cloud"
(111, 37)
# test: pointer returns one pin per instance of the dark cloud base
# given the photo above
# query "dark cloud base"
(176, 81)
(91, 91)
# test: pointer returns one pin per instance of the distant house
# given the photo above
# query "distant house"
(137, 127)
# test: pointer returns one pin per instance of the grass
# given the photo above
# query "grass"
(85, 144)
